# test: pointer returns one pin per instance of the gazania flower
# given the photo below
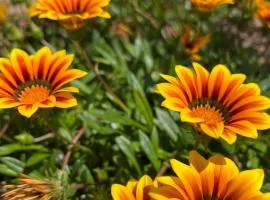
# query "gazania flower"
(70, 13)
(217, 178)
(135, 190)
(209, 5)
(29, 188)
(263, 11)
(192, 43)
(217, 103)
(37, 81)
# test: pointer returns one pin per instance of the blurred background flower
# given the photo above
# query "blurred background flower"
(209, 5)
(71, 14)
(263, 11)
(192, 43)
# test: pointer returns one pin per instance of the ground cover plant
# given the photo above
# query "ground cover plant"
(134, 100)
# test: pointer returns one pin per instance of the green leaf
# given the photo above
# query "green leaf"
(36, 158)
(141, 101)
(166, 123)
(5, 170)
(85, 174)
(116, 117)
(64, 133)
(149, 150)
(144, 108)
(155, 139)
(81, 86)
(13, 164)
(11, 148)
(126, 147)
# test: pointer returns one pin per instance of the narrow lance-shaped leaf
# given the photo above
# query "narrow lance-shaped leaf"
(126, 147)
(149, 150)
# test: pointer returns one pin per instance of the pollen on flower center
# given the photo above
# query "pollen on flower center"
(34, 94)
(209, 114)
(210, 110)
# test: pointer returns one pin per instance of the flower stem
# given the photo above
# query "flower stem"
(94, 68)
(74, 141)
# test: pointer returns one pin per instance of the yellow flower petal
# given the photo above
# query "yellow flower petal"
(245, 185)
(119, 192)
(27, 110)
(65, 100)
(189, 177)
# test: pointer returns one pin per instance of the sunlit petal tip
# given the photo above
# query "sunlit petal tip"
(45, 49)
(146, 178)
(106, 15)
(180, 67)
(220, 68)
(196, 64)
(230, 140)
(163, 76)
(16, 51)
(174, 162)
(71, 57)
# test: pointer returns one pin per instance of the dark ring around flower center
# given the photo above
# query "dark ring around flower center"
(213, 104)
(19, 90)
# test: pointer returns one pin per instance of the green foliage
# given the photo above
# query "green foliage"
(120, 144)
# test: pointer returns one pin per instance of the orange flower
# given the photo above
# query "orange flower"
(216, 178)
(33, 189)
(135, 190)
(70, 13)
(192, 43)
(217, 103)
(36, 81)
(209, 5)
(263, 11)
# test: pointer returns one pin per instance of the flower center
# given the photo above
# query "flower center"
(210, 110)
(33, 92)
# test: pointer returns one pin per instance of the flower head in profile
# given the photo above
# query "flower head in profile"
(192, 43)
(29, 188)
(70, 13)
(263, 11)
(30, 82)
(134, 190)
(217, 103)
(209, 5)
(3, 12)
(216, 178)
